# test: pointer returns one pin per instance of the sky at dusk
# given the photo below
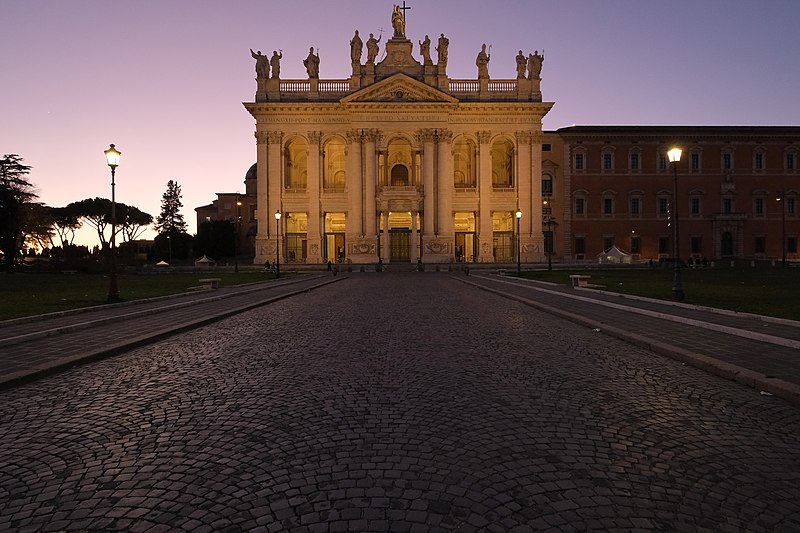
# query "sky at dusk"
(165, 79)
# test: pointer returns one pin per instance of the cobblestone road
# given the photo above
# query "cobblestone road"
(395, 402)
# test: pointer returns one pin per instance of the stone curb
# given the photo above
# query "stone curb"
(756, 380)
(53, 367)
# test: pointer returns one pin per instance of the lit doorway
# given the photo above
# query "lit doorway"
(465, 237)
(335, 250)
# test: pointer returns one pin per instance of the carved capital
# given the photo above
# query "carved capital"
(524, 137)
(262, 137)
(353, 136)
(425, 135)
(314, 137)
(275, 137)
(484, 136)
(373, 135)
(445, 136)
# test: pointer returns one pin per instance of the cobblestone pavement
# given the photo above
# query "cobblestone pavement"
(396, 402)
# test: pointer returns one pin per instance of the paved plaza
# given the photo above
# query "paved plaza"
(395, 402)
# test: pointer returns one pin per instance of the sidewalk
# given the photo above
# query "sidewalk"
(35, 346)
(761, 352)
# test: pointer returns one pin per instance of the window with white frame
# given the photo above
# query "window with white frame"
(663, 206)
(695, 162)
(758, 160)
(580, 205)
(579, 159)
(727, 160)
(635, 160)
(695, 206)
(635, 206)
(662, 162)
(608, 160)
(790, 160)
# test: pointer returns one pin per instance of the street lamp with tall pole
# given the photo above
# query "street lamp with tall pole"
(112, 157)
(237, 231)
(674, 155)
(519, 248)
(277, 244)
(780, 198)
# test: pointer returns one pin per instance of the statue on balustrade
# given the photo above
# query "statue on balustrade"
(356, 47)
(372, 48)
(262, 64)
(482, 61)
(425, 50)
(522, 63)
(275, 63)
(444, 42)
(398, 23)
(535, 65)
(312, 63)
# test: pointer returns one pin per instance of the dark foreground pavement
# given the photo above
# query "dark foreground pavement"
(402, 402)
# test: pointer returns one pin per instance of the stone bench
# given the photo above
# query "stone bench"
(210, 283)
(579, 280)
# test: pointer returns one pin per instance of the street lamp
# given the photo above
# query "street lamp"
(237, 231)
(112, 157)
(519, 267)
(674, 155)
(549, 241)
(277, 244)
(169, 245)
(780, 198)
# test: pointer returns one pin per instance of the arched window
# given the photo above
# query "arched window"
(334, 164)
(296, 176)
(464, 164)
(502, 164)
(399, 161)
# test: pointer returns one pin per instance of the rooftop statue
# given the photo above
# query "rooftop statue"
(522, 63)
(535, 65)
(444, 42)
(275, 63)
(372, 48)
(262, 64)
(356, 47)
(425, 50)
(398, 23)
(482, 61)
(312, 63)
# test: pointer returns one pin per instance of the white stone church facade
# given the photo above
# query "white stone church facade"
(399, 163)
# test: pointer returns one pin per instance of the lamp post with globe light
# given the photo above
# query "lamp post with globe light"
(277, 244)
(674, 155)
(112, 158)
(519, 247)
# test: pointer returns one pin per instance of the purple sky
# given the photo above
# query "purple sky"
(164, 79)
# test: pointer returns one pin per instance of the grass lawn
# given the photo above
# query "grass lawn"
(771, 291)
(25, 294)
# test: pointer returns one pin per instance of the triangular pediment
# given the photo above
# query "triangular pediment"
(399, 88)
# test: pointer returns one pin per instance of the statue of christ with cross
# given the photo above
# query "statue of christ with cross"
(399, 20)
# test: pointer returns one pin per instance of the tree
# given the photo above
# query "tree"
(15, 192)
(132, 221)
(65, 222)
(96, 212)
(215, 239)
(170, 220)
(37, 225)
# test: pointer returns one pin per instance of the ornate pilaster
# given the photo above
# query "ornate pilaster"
(445, 185)
(313, 235)
(275, 172)
(526, 183)
(355, 185)
(485, 237)
(371, 137)
(426, 137)
(262, 195)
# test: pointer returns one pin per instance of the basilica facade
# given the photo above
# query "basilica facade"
(399, 163)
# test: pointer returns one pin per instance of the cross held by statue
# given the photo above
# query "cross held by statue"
(403, 9)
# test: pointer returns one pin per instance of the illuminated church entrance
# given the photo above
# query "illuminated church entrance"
(403, 237)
